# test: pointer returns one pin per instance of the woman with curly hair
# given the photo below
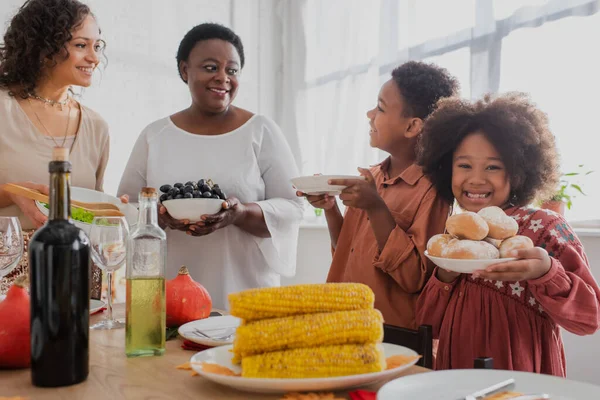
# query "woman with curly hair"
(500, 152)
(381, 239)
(49, 46)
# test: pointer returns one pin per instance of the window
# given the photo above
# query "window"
(535, 46)
(562, 79)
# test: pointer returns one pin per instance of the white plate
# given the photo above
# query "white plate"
(222, 356)
(317, 184)
(456, 384)
(212, 326)
(90, 196)
(465, 266)
(96, 305)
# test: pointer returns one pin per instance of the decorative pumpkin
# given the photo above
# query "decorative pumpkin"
(187, 300)
(15, 342)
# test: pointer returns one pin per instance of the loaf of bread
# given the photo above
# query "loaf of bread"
(436, 244)
(515, 243)
(501, 226)
(494, 242)
(467, 225)
(469, 250)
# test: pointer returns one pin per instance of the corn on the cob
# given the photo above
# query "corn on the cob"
(285, 301)
(308, 330)
(316, 362)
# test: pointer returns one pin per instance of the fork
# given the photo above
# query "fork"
(218, 338)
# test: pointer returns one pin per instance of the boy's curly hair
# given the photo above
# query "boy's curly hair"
(516, 128)
(38, 31)
(422, 85)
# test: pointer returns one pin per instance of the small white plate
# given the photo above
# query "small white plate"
(96, 305)
(465, 266)
(222, 356)
(91, 196)
(456, 384)
(317, 184)
(211, 326)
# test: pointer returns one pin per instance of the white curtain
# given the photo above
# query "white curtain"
(343, 50)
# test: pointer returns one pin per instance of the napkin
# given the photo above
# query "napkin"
(362, 395)
(189, 345)
(99, 311)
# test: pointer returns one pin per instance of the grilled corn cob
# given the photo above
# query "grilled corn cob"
(316, 362)
(285, 301)
(308, 330)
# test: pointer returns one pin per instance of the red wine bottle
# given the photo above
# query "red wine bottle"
(59, 263)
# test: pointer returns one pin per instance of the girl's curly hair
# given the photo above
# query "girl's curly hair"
(516, 128)
(38, 32)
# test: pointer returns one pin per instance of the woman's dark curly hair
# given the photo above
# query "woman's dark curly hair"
(38, 32)
(422, 85)
(207, 31)
(514, 126)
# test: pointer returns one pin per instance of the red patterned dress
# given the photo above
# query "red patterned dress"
(516, 323)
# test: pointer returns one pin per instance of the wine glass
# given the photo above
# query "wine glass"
(11, 244)
(108, 238)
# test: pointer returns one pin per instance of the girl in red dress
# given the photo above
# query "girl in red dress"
(500, 152)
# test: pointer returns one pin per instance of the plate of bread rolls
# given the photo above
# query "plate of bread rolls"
(475, 241)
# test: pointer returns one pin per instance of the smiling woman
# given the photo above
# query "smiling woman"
(252, 240)
(49, 47)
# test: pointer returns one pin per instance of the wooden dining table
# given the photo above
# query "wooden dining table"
(113, 376)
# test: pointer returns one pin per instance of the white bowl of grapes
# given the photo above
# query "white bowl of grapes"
(190, 200)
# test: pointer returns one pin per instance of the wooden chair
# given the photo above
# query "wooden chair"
(420, 341)
(484, 363)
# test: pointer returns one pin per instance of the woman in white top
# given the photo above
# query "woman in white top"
(49, 46)
(252, 241)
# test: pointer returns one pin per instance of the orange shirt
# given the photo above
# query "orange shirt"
(400, 270)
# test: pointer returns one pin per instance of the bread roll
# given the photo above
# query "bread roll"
(436, 244)
(469, 250)
(501, 225)
(467, 225)
(514, 243)
(494, 242)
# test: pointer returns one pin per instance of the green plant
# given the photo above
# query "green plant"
(567, 189)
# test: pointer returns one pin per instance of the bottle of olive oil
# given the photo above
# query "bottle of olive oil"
(59, 263)
(145, 328)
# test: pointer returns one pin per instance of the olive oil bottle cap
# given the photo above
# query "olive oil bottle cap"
(149, 192)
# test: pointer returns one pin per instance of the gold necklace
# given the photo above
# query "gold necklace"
(46, 129)
(59, 104)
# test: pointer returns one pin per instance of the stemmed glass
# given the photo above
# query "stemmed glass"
(108, 238)
(11, 244)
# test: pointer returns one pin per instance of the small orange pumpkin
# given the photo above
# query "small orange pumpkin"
(15, 346)
(187, 300)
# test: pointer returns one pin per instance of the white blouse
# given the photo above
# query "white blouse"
(253, 163)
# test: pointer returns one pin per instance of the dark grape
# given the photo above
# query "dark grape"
(169, 197)
(201, 183)
(196, 194)
(188, 189)
(165, 188)
(207, 195)
(204, 188)
(178, 185)
(223, 196)
(163, 197)
(215, 196)
(190, 183)
(173, 192)
(215, 186)
(188, 195)
(179, 196)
